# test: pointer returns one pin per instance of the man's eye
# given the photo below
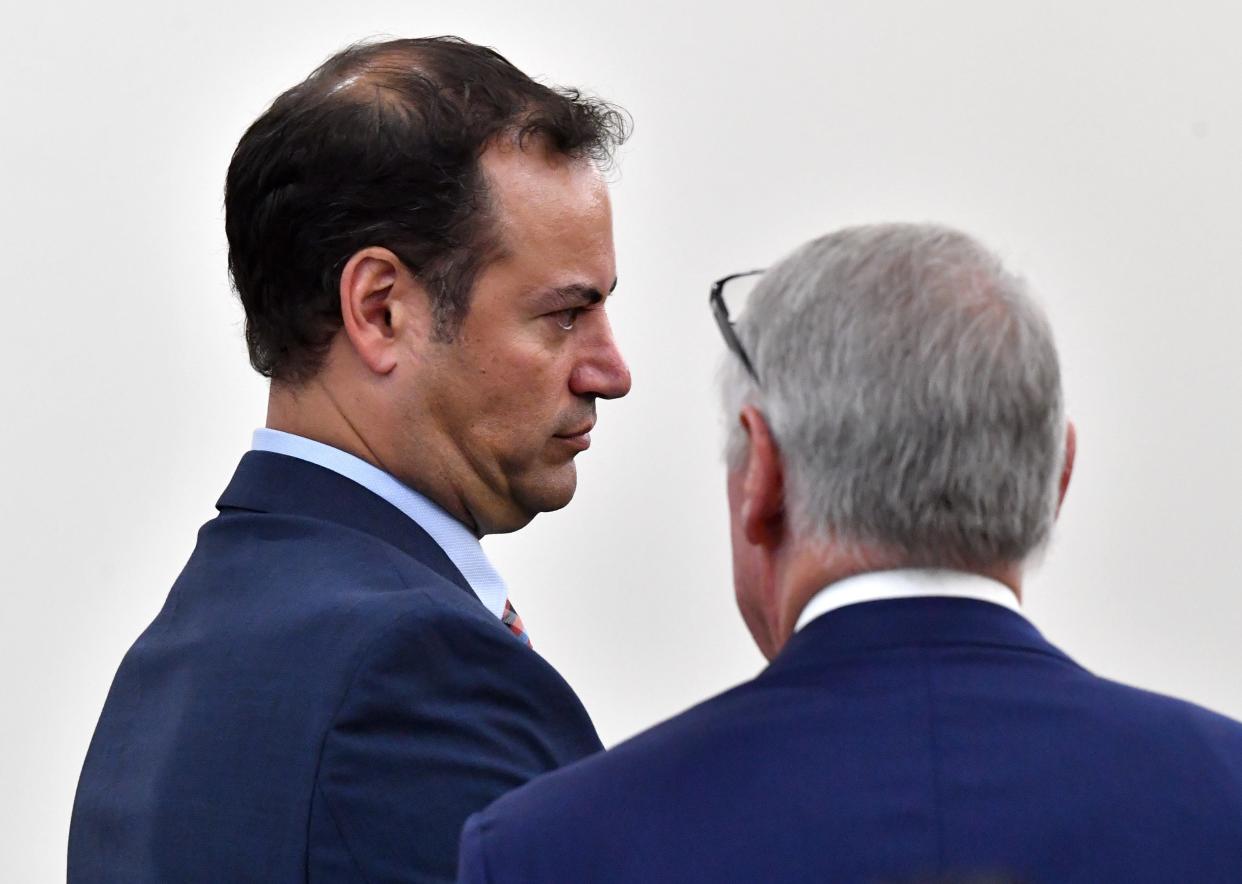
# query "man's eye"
(566, 318)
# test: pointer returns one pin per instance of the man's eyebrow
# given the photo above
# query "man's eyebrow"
(578, 293)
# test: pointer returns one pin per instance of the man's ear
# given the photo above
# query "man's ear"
(1067, 468)
(375, 306)
(763, 483)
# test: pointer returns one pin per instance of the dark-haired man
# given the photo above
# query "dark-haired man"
(421, 239)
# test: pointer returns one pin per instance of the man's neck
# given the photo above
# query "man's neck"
(312, 411)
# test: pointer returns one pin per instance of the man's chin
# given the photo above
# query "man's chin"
(551, 492)
(531, 496)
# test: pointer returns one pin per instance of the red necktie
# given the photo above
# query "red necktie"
(511, 619)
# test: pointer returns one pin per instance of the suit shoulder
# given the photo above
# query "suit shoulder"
(1176, 739)
(1172, 717)
(658, 756)
(317, 563)
(335, 599)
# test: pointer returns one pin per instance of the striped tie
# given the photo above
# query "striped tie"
(511, 619)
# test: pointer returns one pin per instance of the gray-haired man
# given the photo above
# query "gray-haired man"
(898, 452)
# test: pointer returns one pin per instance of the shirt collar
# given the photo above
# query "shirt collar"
(458, 543)
(907, 583)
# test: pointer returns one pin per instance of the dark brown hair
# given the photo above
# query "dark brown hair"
(380, 146)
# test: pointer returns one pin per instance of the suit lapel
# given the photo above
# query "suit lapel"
(275, 483)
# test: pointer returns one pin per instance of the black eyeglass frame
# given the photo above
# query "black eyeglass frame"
(721, 312)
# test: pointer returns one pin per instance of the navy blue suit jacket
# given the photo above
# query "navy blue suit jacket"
(893, 741)
(322, 698)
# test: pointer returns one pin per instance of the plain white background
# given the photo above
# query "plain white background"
(1097, 145)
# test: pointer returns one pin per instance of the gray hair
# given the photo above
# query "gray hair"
(913, 389)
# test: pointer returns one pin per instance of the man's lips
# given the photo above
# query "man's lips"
(579, 438)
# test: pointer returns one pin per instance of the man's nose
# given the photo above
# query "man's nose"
(602, 371)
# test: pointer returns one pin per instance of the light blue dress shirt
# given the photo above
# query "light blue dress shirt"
(461, 546)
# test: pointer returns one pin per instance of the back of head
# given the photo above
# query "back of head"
(380, 146)
(914, 391)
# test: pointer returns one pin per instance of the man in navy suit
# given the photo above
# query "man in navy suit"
(898, 451)
(421, 239)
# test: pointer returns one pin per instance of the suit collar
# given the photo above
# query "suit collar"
(897, 583)
(912, 623)
(458, 542)
(275, 483)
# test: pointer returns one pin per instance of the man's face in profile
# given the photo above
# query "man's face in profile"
(514, 393)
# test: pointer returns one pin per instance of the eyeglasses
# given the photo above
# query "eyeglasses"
(736, 294)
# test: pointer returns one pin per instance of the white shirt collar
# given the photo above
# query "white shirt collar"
(907, 583)
(458, 543)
